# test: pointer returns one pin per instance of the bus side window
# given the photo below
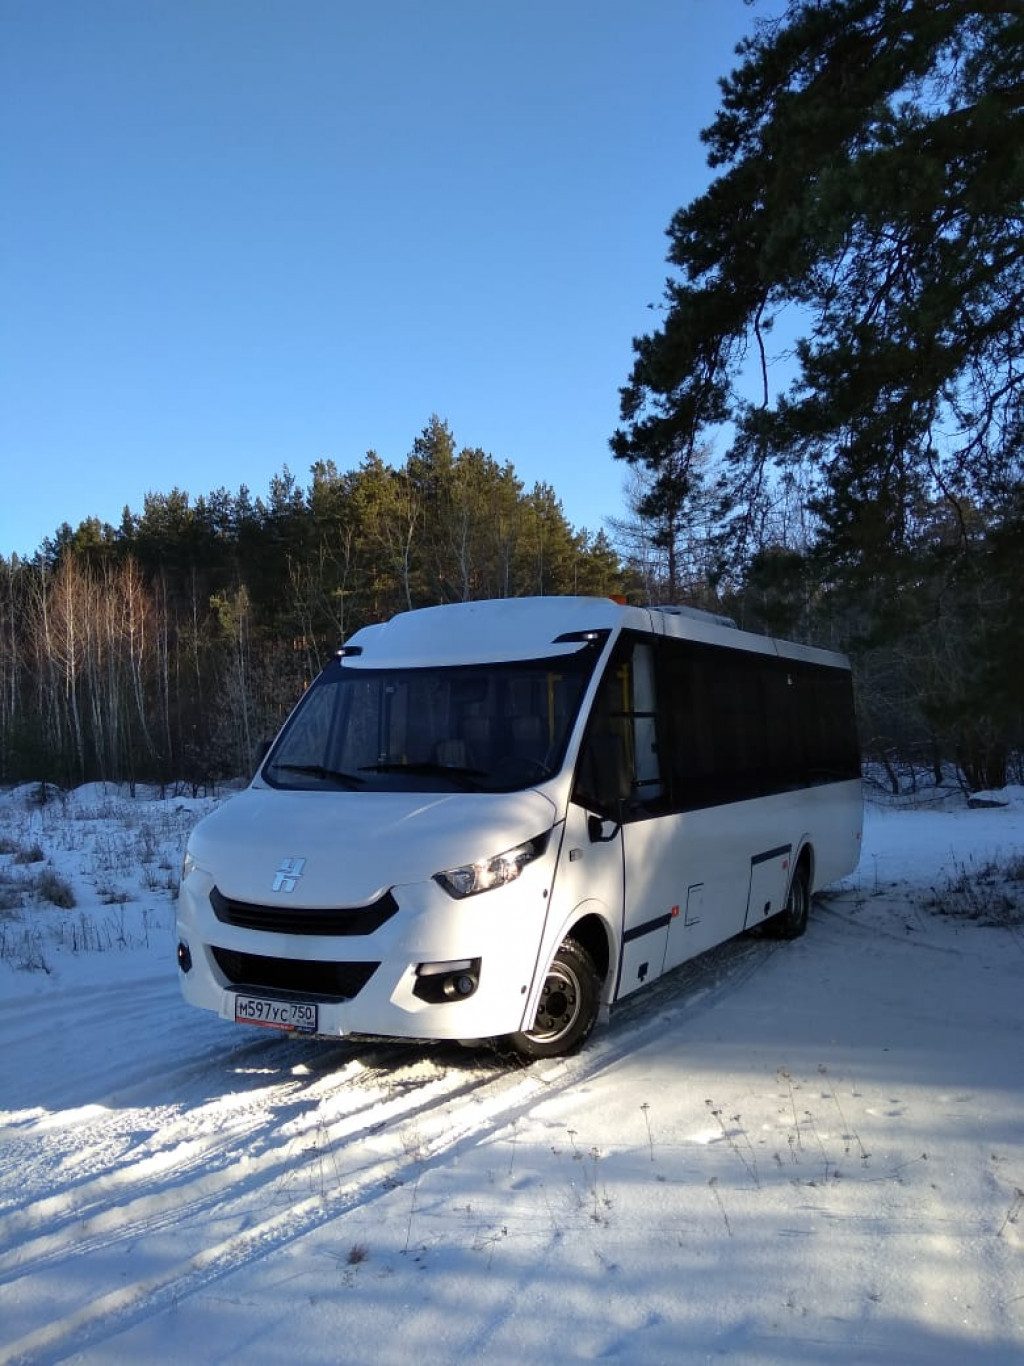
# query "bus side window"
(619, 772)
(643, 717)
(602, 781)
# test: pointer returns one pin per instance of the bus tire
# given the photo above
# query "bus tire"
(791, 921)
(568, 1006)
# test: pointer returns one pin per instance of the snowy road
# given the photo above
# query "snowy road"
(804, 1153)
(213, 1147)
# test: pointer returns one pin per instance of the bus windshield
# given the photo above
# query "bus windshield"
(478, 728)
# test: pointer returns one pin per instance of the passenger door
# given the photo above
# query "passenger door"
(617, 782)
(685, 887)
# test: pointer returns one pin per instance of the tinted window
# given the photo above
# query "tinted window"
(742, 725)
(619, 768)
(679, 725)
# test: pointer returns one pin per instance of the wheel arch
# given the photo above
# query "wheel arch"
(804, 855)
(590, 925)
(569, 993)
(591, 933)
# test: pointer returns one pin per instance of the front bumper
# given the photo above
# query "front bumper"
(401, 979)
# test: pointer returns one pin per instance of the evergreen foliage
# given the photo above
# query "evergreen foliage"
(171, 647)
(848, 295)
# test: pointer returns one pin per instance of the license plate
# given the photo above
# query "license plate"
(297, 1016)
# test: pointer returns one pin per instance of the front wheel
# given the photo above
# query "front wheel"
(568, 1006)
(791, 921)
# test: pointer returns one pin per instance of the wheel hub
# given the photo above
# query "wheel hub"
(557, 1005)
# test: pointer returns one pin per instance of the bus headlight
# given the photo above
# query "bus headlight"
(188, 865)
(491, 872)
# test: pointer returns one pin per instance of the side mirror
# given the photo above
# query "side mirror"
(600, 830)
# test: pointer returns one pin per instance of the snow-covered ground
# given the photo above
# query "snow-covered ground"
(800, 1153)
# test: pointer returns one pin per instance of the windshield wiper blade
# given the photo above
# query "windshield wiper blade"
(333, 775)
(455, 772)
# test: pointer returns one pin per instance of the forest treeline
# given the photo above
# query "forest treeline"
(169, 648)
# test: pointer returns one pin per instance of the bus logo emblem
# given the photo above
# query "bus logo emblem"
(286, 878)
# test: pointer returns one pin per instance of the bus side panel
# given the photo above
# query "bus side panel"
(684, 881)
(699, 877)
(714, 850)
(835, 817)
(769, 883)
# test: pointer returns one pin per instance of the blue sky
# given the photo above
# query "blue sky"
(239, 234)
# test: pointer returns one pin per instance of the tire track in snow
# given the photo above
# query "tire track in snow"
(189, 1160)
(481, 1105)
(236, 1162)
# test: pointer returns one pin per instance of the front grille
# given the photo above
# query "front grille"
(335, 920)
(321, 981)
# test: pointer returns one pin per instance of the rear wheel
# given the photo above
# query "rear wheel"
(791, 921)
(568, 1006)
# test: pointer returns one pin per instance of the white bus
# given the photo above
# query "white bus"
(496, 819)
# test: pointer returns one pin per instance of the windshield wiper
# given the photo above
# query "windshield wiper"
(455, 772)
(333, 775)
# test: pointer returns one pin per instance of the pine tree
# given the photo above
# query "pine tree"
(861, 248)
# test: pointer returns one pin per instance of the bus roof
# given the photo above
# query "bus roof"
(490, 630)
